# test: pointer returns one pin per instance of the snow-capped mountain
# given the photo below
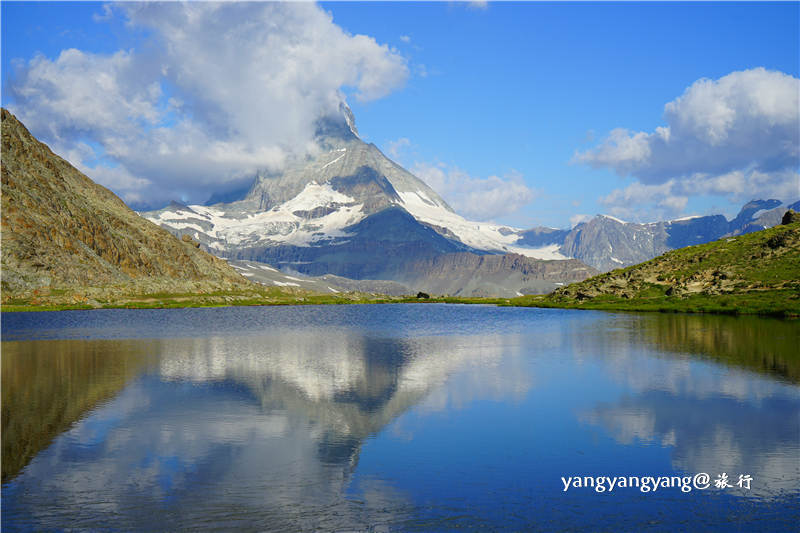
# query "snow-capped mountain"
(346, 210)
(317, 200)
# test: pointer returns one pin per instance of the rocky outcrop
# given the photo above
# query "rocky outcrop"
(62, 232)
(790, 217)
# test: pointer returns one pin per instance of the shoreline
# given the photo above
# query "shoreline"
(748, 304)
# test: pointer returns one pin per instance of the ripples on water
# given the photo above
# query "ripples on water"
(397, 417)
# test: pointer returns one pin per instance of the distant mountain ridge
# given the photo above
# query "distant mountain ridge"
(61, 232)
(607, 243)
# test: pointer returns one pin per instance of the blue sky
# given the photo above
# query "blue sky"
(518, 100)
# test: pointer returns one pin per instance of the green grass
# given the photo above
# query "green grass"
(781, 303)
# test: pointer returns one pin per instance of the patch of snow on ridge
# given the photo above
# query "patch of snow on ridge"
(316, 195)
(691, 217)
(332, 162)
(615, 219)
(278, 225)
(481, 235)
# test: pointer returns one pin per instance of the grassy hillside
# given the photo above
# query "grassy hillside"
(757, 273)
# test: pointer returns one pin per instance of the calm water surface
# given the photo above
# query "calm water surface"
(395, 417)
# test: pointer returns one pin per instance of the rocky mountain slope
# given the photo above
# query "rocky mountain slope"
(64, 234)
(470, 275)
(754, 272)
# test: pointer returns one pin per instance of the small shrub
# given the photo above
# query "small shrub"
(776, 241)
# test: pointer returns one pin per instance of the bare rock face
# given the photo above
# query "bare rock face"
(63, 232)
(607, 243)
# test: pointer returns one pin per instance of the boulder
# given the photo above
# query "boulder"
(790, 217)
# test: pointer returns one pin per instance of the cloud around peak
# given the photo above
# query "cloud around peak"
(214, 92)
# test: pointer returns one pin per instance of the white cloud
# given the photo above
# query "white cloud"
(646, 203)
(574, 220)
(405, 38)
(216, 92)
(747, 118)
(395, 148)
(746, 184)
(737, 136)
(108, 14)
(476, 198)
(649, 202)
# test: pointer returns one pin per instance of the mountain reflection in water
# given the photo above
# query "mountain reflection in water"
(48, 385)
(390, 419)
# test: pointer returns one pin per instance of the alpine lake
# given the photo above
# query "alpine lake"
(404, 417)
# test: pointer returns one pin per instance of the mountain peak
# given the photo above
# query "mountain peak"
(337, 126)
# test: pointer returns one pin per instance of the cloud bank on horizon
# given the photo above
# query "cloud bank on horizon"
(216, 92)
(738, 136)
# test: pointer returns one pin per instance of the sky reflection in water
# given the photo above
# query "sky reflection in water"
(399, 417)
